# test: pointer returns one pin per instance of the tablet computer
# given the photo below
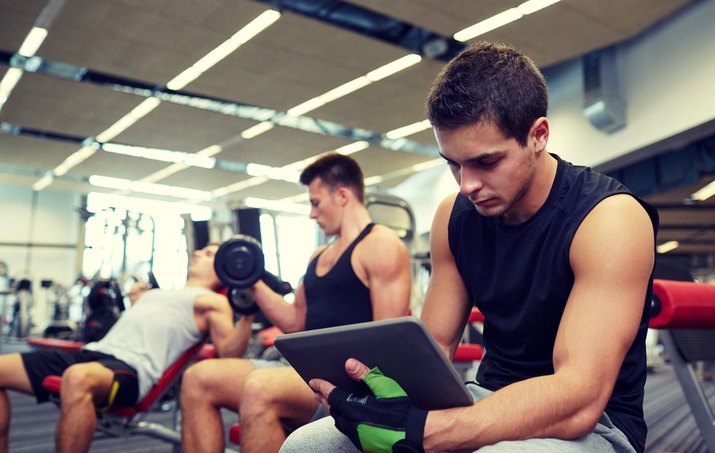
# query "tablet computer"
(401, 348)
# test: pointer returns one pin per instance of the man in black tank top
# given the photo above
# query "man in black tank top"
(363, 275)
(559, 260)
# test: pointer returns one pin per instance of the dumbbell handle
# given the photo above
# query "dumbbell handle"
(276, 284)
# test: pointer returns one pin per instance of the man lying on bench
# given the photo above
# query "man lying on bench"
(122, 367)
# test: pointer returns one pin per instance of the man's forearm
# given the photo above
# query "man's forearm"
(282, 314)
(547, 406)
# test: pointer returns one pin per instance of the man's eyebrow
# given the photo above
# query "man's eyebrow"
(484, 156)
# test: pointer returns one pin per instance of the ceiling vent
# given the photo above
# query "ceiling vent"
(603, 105)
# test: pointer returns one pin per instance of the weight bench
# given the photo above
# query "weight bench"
(685, 314)
(123, 421)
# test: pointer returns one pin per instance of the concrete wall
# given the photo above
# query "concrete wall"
(53, 229)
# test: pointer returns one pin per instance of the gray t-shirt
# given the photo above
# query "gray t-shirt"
(154, 333)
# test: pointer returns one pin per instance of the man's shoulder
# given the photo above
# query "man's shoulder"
(381, 235)
(381, 242)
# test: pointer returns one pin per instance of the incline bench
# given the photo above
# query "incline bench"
(685, 314)
(129, 420)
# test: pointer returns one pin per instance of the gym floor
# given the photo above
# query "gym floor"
(671, 425)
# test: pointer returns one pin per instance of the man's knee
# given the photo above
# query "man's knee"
(77, 383)
(211, 381)
(257, 395)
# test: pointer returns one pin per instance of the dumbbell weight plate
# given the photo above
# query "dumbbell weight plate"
(239, 262)
(242, 301)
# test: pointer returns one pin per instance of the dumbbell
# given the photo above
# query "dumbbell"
(239, 264)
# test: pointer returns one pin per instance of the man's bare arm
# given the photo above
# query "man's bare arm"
(612, 258)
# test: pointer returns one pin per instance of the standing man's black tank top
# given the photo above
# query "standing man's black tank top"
(338, 297)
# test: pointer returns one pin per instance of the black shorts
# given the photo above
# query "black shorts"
(47, 362)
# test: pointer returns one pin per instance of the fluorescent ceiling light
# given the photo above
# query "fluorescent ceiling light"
(147, 187)
(704, 192)
(353, 147)
(235, 187)
(169, 191)
(146, 106)
(274, 173)
(373, 180)
(345, 89)
(410, 129)
(32, 42)
(74, 159)
(97, 201)
(257, 130)
(12, 76)
(211, 150)
(391, 68)
(109, 182)
(184, 78)
(535, 5)
(277, 205)
(164, 155)
(427, 165)
(488, 25)
(305, 107)
(329, 96)
(43, 182)
(165, 172)
(667, 246)
(257, 25)
(226, 48)
(123, 123)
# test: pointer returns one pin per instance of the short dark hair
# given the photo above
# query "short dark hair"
(489, 82)
(335, 171)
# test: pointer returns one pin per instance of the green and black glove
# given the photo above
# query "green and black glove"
(386, 422)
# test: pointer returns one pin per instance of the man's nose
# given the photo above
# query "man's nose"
(469, 182)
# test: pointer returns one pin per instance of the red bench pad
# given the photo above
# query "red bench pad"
(55, 344)
(234, 435)
(684, 305)
(467, 352)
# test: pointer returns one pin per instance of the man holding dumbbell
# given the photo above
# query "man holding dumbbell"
(122, 367)
(363, 275)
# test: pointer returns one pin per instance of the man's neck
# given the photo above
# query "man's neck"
(193, 282)
(353, 223)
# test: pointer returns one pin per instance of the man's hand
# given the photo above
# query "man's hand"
(385, 422)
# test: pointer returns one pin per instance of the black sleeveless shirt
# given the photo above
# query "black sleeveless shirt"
(520, 277)
(338, 297)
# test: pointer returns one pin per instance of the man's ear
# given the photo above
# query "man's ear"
(539, 133)
(342, 195)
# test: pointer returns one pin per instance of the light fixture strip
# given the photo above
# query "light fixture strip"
(223, 50)
(704, 192)
(74, 159)
(32, 42)
(410, 129)
(667, 246)
(257, 130)
(345, 89)
(533, 6)
(43, 182)
(501, 19)
(12, 76)
(487, 25)
(277, 205)
(147, 187)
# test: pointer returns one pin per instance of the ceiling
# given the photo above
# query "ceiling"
(130, 48)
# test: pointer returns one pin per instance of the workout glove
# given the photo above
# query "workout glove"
(386, 422)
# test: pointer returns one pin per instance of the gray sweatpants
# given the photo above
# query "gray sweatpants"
(322, 437)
